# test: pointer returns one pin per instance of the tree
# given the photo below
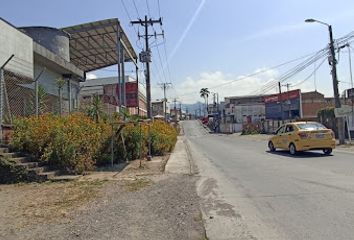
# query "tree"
(95, 110)
(204, 93)
(60, 84)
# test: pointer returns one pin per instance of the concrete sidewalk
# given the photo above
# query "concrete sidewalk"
(179, 162)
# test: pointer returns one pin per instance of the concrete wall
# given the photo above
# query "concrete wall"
(48, 80)
(256, 112)
(53, 39)
(13, 41)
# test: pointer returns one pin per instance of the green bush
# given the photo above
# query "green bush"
(250, 129)
(77, 143)
(70, 143)
(10, 172)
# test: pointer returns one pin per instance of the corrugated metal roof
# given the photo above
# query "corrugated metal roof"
(93, 45)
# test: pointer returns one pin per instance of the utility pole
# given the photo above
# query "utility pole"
(333, 63)
(175, 109)
(180, 110)
(145, 56)
(165, 86)
(288, 103)
(281, 102)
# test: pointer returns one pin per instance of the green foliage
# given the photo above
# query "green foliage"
(76, 143)
(70, 143)
(10, 172)
(249, 129)
(326, 113)
(95, 109)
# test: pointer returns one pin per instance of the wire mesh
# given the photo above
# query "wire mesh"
(23, 96)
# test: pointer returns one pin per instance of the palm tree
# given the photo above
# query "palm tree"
(204, 93)
(95, 110)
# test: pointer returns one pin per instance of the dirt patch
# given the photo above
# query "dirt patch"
(139, 202)
(137, 184)
(22, 205)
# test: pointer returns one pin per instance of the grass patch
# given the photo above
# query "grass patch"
(138, 184)
(51, 201)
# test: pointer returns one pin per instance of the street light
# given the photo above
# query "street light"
(311, 20)
(333, 63)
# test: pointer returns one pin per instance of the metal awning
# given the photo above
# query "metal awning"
(94, 45)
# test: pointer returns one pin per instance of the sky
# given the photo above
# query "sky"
(213, 43)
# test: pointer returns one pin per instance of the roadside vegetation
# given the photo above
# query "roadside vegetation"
(81, 141)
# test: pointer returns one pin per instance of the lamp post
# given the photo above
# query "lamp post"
(333, 63)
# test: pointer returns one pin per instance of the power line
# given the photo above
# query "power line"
(292, 72)
(159, 8)
(260, 72)
(265, 70)
(148, 7)
(130, 19)
(163, 72)
(312, 73)
(136, 9)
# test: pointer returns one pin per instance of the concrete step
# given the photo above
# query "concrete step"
(45, 176)
(65, 178)
(11, 154)
(4, 150)
(29, 165)
(36, 170)
(22, 159)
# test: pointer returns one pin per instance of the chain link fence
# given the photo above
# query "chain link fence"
(23, 96)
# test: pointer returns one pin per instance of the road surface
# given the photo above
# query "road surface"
(250, 193)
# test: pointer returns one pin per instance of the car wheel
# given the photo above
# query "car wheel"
(271, 146)
(292, 149)
(327, 151)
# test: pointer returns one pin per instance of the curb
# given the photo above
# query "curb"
(179, 161)
(343, 151)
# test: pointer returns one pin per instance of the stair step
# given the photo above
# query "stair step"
(48, 175)
(4, 150)
(36, 170)
(29, 164)
(65, 178)
(22, 159)
(11, 154)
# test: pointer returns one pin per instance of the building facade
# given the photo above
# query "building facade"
(109, 91)
(40, 68)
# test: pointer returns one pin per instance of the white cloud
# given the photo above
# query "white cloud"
(224, 84)
(90, 76)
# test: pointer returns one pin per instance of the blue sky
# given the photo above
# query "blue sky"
(226, 39)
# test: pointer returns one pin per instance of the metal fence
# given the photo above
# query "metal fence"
(22, 96)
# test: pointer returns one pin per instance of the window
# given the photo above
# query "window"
(289, 128)
(311, 126)
(280, 130)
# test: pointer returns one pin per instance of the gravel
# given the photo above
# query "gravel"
(163, 207)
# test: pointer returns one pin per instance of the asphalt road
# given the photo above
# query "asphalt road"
(250, 193)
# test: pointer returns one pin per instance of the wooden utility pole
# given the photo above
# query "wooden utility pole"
(281, 102)
(145, 56)
(165, 86)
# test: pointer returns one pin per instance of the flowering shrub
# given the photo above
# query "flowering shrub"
(136, 137)
(33, 134)
(250, 128)
(70, 143)
(75, 143)
(163, 137)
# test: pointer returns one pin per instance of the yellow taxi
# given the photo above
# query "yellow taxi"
(303, 136)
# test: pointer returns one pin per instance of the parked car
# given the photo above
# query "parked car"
(303, 136)
(205, 120)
